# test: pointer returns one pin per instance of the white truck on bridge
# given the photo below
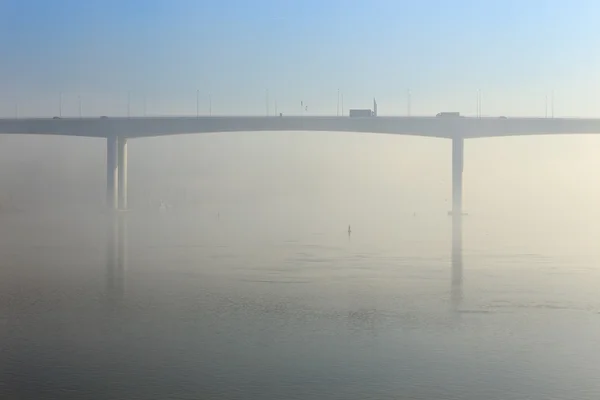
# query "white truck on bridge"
(365, 112)
(362, 113)
(448, 114)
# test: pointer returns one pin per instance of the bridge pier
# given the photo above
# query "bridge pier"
(457, 175)
(111, 172)
(457, 266)
(122, 173)
(116, 172)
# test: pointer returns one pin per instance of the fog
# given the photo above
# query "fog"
(503, 176)
(543, 183)
(299, 265)
(540, 190)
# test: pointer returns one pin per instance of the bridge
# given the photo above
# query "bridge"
(118, 131)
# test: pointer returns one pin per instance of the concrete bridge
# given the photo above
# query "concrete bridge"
(118, 131)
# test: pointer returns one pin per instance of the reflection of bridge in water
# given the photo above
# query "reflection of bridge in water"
(117, 261)
(116, 258)
(456, 292)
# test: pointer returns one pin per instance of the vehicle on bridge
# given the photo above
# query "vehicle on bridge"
(365, 112)
(448, 114)
(362, 113)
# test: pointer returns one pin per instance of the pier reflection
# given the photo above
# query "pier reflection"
(116, 258)
(456, 291)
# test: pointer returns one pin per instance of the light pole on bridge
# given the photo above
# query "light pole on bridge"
(267, 101)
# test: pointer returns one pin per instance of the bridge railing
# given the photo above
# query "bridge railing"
(196, 103)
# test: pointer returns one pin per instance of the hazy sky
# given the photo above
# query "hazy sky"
(516, 52)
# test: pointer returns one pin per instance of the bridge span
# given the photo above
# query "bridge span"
(440, 127)
(117, 131)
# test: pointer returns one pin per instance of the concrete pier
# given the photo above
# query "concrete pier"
(111, 172)
(122, 173)
(457, 175)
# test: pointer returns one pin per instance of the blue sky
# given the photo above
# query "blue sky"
(516, 52)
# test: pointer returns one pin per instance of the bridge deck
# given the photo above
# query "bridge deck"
(417, 126)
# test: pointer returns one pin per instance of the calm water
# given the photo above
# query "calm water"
(274, 300)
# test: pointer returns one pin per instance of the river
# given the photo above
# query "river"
(249, 293)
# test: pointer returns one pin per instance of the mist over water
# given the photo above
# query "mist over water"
(247, 284)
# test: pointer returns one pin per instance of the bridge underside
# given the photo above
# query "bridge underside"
(416, 126)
